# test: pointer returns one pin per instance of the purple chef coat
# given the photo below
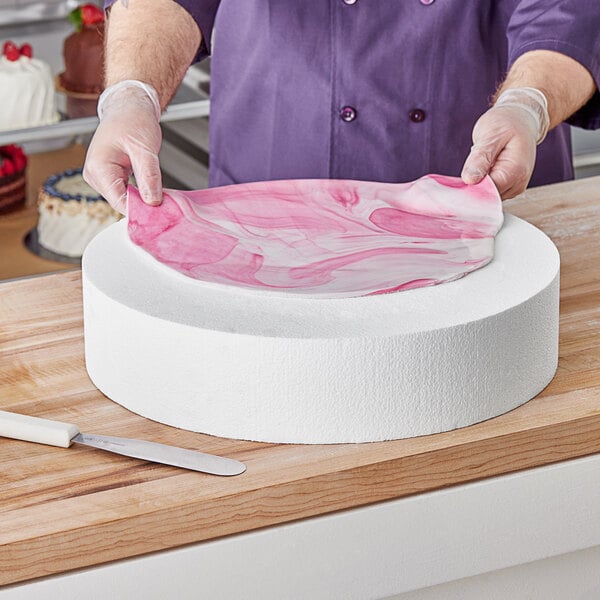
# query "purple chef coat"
(385, 90)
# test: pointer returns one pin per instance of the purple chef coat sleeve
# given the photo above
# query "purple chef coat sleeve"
(567, 26)
(203, 12)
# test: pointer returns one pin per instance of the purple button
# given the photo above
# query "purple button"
(427, 2)
(348, 113)
(417, 115)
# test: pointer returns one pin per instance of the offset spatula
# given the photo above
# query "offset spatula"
(55, 433)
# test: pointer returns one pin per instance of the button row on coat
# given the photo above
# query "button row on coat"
(348, 114)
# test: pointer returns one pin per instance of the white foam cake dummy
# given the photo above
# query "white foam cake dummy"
(330, 360)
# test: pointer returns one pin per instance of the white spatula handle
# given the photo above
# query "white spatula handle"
(34, 429)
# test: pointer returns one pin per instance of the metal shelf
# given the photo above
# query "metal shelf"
(22, 12)
(75, 127)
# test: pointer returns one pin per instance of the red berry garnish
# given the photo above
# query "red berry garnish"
(10, 50)
(26, 50)
(12, 160)
(12, 54)
(8, 167)
(91, 14)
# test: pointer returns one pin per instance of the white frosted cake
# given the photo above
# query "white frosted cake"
(71, 213)
(27, 95)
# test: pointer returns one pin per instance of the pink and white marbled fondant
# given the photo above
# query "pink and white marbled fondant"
(323, 238)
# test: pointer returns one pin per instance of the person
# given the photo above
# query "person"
(384, 90)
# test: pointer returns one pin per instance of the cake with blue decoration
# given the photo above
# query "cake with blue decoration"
(71, 213)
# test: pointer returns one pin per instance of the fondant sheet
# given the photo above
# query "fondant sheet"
(323, 238)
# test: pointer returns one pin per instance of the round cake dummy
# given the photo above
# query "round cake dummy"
(318, 311)
(27, 97)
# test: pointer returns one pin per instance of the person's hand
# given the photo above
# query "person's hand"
(505, 139)
(126, 141)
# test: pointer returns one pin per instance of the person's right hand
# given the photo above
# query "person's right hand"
(126, 141)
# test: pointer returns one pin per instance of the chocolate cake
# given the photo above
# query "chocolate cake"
(13, 164)
(83, 52)
(84, 60)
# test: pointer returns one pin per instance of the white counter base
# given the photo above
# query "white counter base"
(532, 535)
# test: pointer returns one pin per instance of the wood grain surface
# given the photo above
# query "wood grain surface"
(61, 509)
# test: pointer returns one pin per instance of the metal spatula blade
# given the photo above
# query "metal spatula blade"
(56, 433)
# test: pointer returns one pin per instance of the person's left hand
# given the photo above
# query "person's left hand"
(505, 139)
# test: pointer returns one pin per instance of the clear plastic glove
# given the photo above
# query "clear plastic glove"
(505, 139)
(126, 141)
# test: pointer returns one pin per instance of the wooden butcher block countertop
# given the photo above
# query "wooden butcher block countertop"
(61, 509)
